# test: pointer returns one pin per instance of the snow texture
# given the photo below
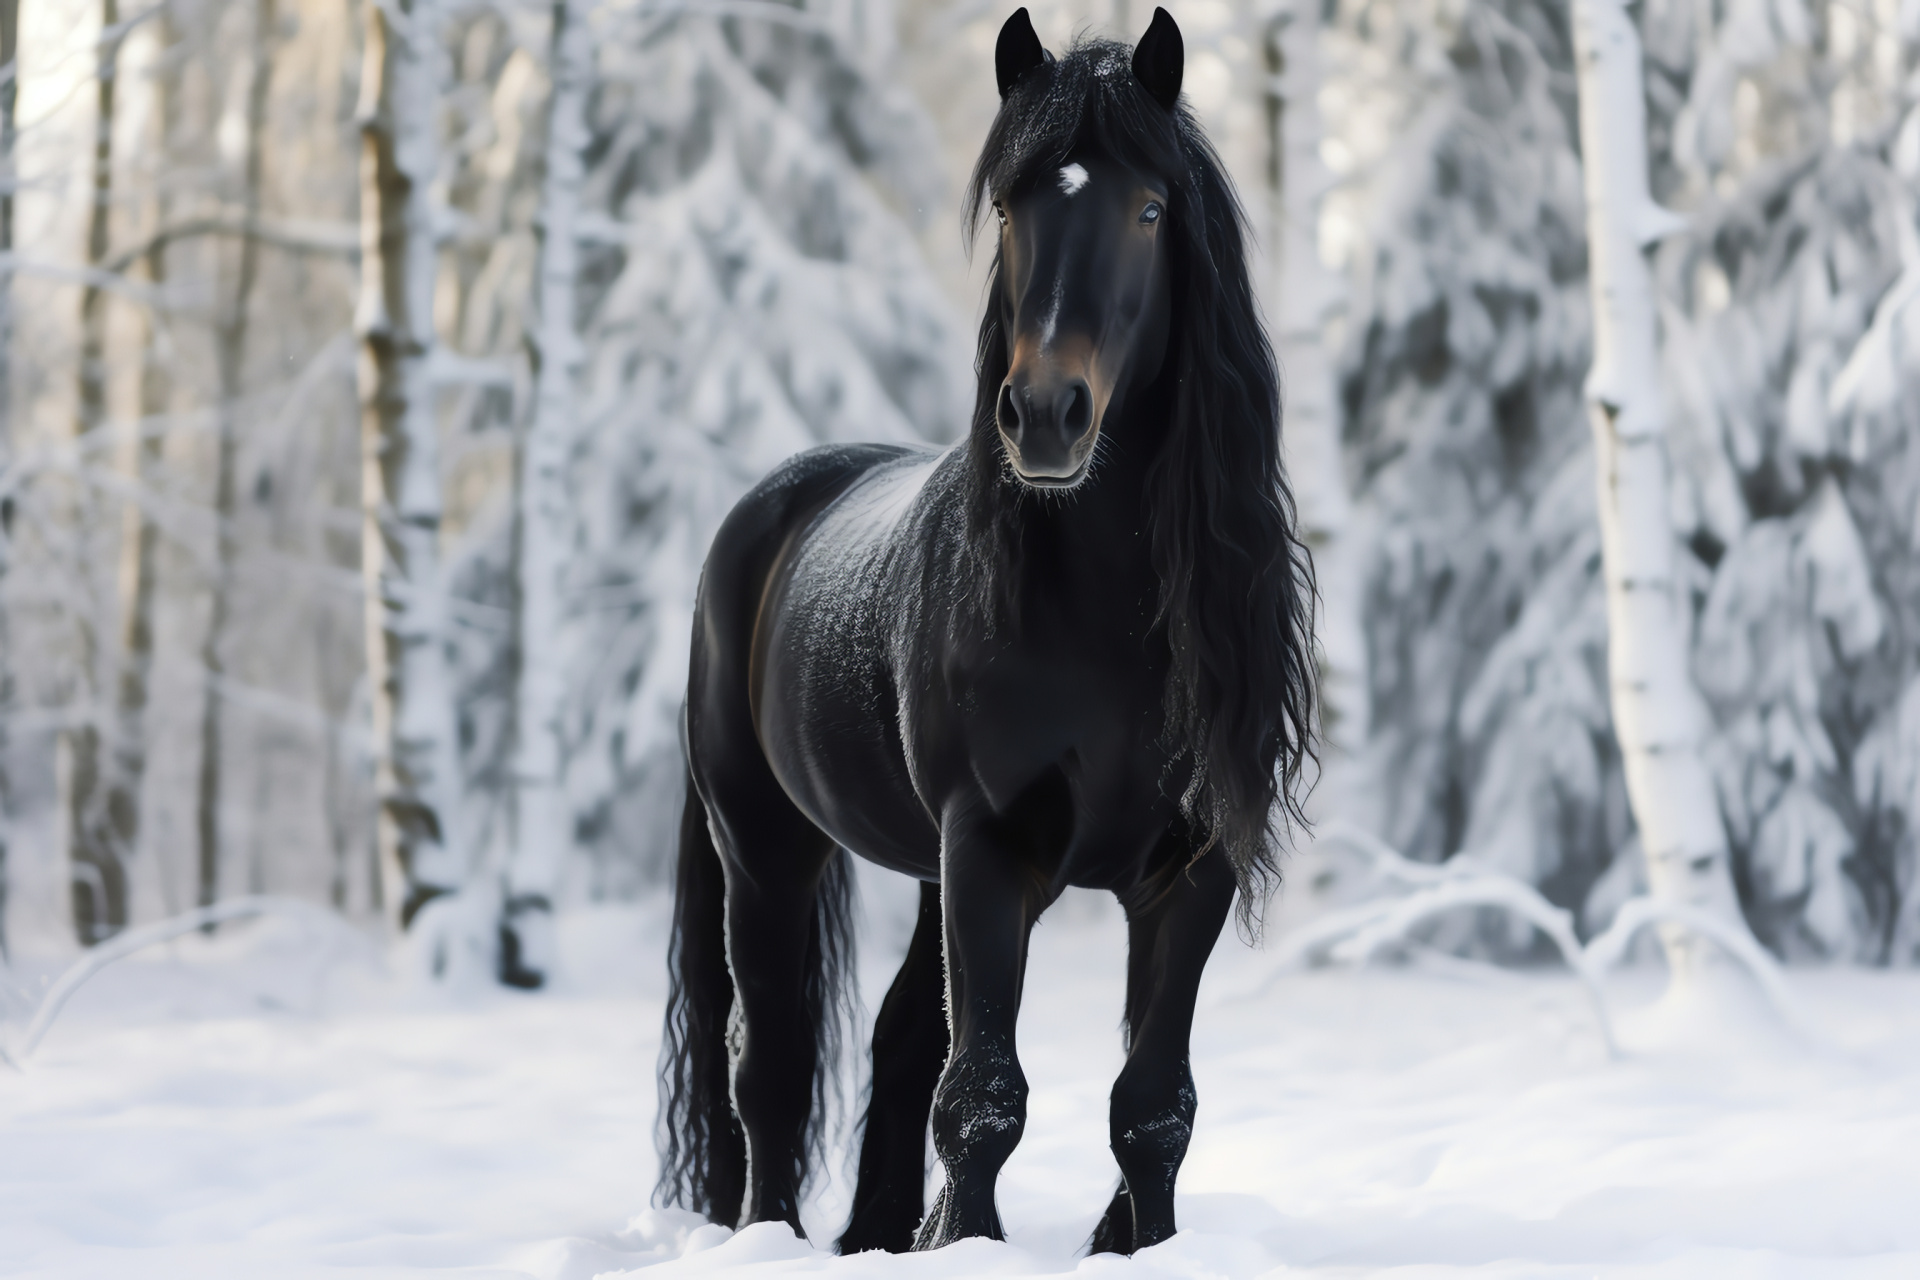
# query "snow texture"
(242, 1107)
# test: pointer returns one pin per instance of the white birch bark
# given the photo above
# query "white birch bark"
(1658, 717)
(412, 692)
(543, 517)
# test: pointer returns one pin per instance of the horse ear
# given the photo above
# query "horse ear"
(1018, 51)
(1159, 59)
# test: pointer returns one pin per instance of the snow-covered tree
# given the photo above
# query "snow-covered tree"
(1305, 305)
(1459, 220)
(1789, 134)
(1779, 133)
(753, 288)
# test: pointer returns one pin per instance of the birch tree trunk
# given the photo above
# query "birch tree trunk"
(230, 349)
(543, 524)
(99, 872)
(127, 756)
(407, 669)
(9, 93)
(1657, 713)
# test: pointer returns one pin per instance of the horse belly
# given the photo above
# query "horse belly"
(835, 748)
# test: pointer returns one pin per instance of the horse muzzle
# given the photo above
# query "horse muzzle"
(1049, 427)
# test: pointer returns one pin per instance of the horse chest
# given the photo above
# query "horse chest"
(1081, 714)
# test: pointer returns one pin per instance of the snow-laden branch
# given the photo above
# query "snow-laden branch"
(130, 941)
(1357, 933)
(1636, 914)
(90, 277)
(296, 235)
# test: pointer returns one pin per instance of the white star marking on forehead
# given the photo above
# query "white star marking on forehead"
(1072, 178)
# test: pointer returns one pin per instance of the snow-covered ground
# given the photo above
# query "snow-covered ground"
(232, 1108)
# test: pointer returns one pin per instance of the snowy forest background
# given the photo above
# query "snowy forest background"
(665, 244)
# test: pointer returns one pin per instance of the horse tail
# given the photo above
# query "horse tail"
(831, 1001)
(703, 1151)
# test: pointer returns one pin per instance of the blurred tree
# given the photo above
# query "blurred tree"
(9, 95)
(1459, 216)
(543, 524)
(751, 286)
(230, 346)
(97, 857)
(412, 693)
(126, 757)
(1783, 135)
(1791, 133)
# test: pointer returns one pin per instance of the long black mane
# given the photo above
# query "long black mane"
(1236, 583)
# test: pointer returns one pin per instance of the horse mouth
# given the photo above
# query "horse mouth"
(1048, 480)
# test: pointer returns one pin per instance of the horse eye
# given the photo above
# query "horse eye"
(1150, 214)
(1001, 214)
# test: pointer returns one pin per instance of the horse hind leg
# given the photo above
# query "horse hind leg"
(1153, 1103)
(909, 1048)
(787, 902)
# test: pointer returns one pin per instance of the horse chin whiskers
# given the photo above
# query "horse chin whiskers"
(1049, 487)
(1062, 488)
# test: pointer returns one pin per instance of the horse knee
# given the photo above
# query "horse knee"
(979, 1112)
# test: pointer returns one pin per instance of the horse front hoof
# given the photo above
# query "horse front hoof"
(958, 1218)
(1115, 1232)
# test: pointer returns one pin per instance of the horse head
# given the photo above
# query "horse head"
(1084, 275)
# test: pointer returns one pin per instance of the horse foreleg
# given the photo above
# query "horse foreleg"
(989, 904)
(1153, 1101)
(909, 1048)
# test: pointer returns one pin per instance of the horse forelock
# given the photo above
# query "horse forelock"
(1237, 591)
(1086, 102)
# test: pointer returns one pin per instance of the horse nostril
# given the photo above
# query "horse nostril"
(1078, 415)
(1008, 411)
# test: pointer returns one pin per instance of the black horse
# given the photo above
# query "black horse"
(1073, 651)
